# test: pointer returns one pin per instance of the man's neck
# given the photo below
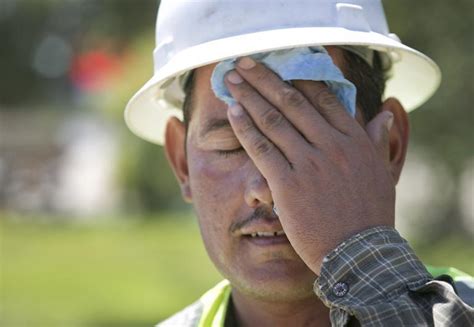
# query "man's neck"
(247, 311)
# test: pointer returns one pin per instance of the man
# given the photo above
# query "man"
(294, 197)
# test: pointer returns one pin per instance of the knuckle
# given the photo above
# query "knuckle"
(246, 92)
(339, 153)
(311, 161)
(291, 97)
(245, 126)
(272, 119)
(314, 166)
(261, 146)
(261, 75)
(327, 100)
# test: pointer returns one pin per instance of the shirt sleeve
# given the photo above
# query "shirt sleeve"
(375, 277)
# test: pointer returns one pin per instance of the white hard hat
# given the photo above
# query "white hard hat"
(191, 34)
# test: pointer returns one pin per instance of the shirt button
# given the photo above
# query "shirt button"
(340, 289)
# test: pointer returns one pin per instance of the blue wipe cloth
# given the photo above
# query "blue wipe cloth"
(310, 63)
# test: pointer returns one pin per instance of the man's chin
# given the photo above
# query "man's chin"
(275, 281)
(275, 291)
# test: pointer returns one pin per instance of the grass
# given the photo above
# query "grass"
(116, 274)
(120, 272)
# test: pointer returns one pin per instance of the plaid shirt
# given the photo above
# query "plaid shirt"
(372, 279)
(375, 277)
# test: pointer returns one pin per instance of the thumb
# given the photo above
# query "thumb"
(378, 130)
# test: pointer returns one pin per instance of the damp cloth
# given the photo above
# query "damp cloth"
(308, 63)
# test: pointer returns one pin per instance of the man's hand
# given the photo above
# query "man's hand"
(328, 176)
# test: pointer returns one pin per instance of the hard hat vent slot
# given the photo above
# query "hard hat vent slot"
(352, 17)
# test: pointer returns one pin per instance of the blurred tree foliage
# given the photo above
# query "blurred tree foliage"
(82, 24)
(124, 27)
(441, 29)
(443, 126)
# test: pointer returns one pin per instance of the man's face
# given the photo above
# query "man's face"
(233, 201)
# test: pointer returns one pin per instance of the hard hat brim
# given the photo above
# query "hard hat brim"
(414, 76)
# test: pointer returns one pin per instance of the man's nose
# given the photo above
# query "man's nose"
(257, 191)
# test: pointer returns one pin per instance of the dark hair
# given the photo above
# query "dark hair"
(188, 99)
(369, 81)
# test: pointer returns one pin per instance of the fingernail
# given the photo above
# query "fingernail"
(236, 110)
(234, 77)
(246, 63)
(389, 121)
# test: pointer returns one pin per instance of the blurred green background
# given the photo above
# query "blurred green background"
(92, 228)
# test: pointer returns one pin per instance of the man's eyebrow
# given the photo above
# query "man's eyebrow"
(214, 124)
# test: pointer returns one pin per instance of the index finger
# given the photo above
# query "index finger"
(265, 155)
(287, 99)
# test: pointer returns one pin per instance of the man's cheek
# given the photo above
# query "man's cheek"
(212, 182)
(207, 171)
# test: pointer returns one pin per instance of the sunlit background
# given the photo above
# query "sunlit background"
(93, 230)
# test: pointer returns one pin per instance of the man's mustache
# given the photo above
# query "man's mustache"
(260, 213)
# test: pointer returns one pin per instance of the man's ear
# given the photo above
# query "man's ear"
(175, 148)
(398, 136)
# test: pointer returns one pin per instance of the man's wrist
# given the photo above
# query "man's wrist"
(342, 243)
(373, 264)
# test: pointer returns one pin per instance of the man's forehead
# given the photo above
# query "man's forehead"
(204, 97)
(202, 75)
(202, 83)
(209, 113)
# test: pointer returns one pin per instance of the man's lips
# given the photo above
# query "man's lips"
(266, 234)
(262, 228)
(262, 232)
